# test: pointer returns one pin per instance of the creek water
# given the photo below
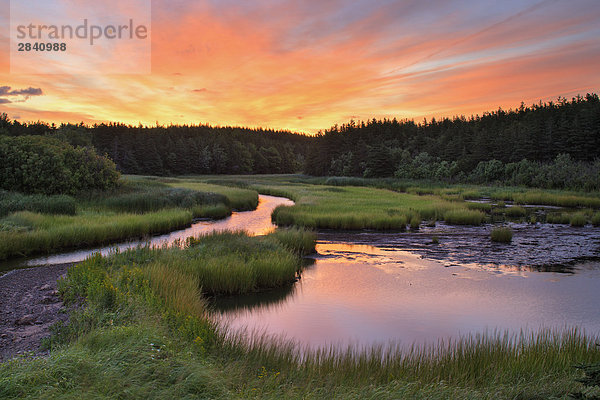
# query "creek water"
(364, 288)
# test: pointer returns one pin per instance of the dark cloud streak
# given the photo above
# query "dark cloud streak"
(6, 91)
(25, 94)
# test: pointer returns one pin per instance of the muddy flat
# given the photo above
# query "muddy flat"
(29, 306)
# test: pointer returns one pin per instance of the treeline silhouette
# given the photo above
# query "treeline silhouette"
(526, 146)
(180, 149)
(551, 144)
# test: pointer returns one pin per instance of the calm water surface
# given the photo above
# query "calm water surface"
(366, 288)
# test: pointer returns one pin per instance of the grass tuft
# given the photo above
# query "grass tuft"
(502, 235)
(464, 217)
(558, 218)
(578, 220)
(516, 212)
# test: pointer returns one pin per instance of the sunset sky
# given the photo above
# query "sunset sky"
(305, 65)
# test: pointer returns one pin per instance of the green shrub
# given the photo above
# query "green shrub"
(502, 235)
(596, 219)
(41, 165)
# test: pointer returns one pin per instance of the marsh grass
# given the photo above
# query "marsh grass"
(558, 218)
(218, 211)
(158, 199)
(47, 233)
(502, 235)
(415, 222)
(578, 220)
(596, 219)
(464, 217)
(485, 207)
(390, 204)
(353, 208)
(482, 360)
(298, 240)
(140, 206)
(548, 198)
(11, 202)
(516, 212)
(239, 199)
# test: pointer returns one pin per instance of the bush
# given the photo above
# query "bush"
(596, 219)
(41, 165)
(502, 235)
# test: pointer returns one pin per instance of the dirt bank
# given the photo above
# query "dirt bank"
(29, 305)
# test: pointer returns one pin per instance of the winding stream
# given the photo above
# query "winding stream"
(367, 287)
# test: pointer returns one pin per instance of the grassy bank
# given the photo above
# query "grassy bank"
(358, 203)
(144, 332)
(34, 233)
(140, 206)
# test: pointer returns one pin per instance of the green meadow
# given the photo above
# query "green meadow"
(390, 204)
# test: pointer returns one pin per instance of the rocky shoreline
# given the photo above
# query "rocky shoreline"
(29, 306)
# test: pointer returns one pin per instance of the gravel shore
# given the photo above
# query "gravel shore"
(29, 306)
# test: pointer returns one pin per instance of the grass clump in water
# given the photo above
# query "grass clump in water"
(578, 220)
(464, 217)
(299, 240)
(516, 212)
(502, 235)
(415, 222)
(596, 219)
(558, 218)
(485, 207)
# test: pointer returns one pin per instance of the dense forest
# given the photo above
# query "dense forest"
(553, 144)
(182, 149)
(537, 133)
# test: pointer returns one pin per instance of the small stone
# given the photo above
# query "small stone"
(48, 300)
(46, 287)
(26, 320)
